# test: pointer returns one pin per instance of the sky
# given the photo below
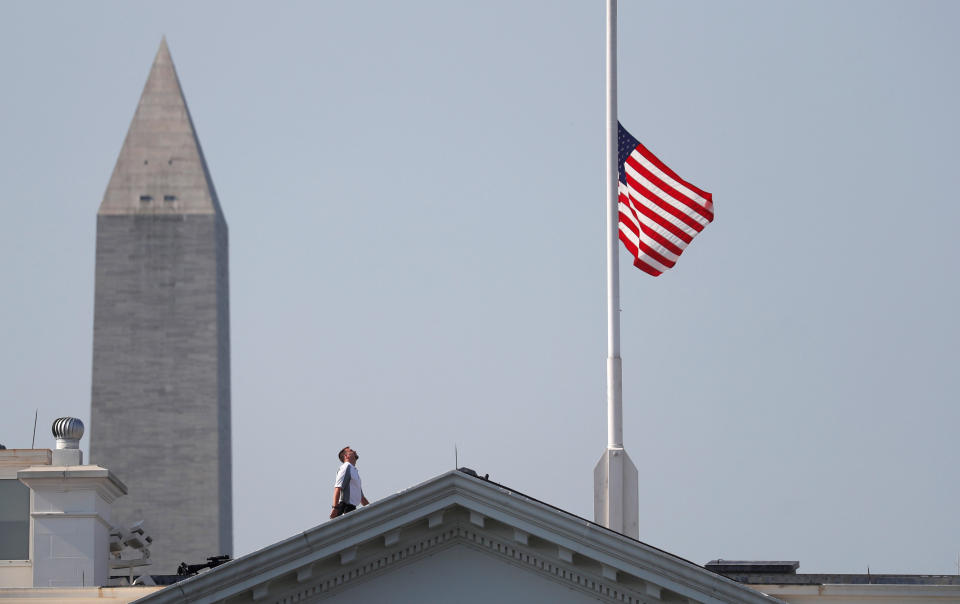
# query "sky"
(415, 198)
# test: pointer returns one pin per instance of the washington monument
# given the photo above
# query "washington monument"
(160, 410)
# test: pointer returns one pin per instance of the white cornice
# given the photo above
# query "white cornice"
(91, 477)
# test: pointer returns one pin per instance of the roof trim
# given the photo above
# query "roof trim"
(491, 500)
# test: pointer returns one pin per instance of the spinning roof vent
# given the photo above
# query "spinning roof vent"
(68, 431)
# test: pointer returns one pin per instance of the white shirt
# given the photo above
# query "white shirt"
(351, 489)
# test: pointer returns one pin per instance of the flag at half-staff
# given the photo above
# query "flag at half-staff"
(660, 213)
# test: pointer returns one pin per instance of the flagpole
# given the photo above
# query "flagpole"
(615, 481)
(614, 366)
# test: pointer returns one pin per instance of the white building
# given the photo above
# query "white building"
(454, 538)
(55, 524)
(780, 579)
(458, 538)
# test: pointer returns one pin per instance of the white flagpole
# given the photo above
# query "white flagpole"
(615, 493)
(614, 378)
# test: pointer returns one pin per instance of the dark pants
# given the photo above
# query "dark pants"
(345, 508)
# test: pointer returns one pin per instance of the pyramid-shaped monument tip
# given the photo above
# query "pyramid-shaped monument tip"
(163, 52)
(161, 169)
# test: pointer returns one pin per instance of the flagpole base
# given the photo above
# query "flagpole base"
(616, 493)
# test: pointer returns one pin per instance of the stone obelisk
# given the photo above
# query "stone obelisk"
(160, 411)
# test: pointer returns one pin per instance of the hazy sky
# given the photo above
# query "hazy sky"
(414, 192)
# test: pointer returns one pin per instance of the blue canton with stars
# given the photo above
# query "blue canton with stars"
(626, 144)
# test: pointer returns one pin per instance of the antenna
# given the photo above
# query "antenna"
(456, 460)
(34, 441)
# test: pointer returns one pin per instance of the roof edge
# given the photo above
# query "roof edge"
(455, 488)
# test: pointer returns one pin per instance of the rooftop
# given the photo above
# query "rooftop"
(780, 572)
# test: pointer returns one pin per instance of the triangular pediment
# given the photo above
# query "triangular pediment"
(479, 542)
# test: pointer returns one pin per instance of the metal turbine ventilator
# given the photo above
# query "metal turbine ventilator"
(68, 431)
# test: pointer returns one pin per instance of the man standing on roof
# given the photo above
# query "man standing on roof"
(347, 490)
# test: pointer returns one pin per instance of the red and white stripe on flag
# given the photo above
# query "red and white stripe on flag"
(660, 213)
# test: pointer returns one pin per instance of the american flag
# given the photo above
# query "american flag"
(660, 213)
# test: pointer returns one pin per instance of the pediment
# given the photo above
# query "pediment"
(459, 538)
(455, 560)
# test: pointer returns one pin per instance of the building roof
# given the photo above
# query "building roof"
(780, 579)
(456, 510)
(842, 579)
(778, 572)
